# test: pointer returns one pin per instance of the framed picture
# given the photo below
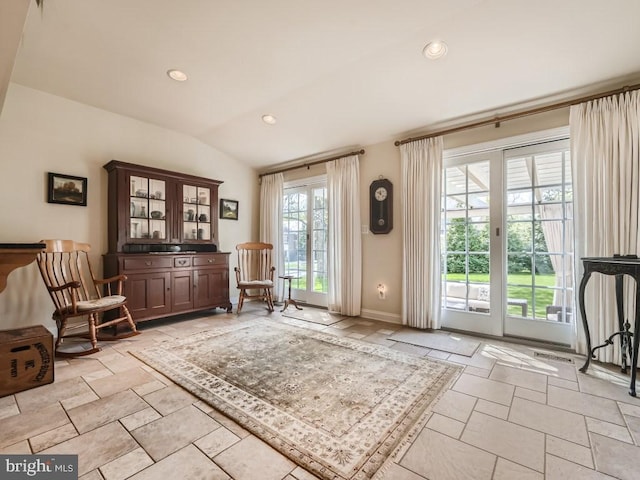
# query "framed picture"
(228, 209)
(67, 189)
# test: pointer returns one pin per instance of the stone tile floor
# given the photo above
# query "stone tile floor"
(510, 415)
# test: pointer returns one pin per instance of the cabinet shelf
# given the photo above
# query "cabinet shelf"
(136, 197)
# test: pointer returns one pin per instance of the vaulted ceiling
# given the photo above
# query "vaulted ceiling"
(335, 73)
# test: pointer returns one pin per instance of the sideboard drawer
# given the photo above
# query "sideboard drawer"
(180, 262)
(146, 263)
(209, 260)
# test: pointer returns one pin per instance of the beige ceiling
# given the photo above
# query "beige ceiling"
(336, 73)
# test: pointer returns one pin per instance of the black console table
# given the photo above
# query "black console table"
(618, 266)
(14, 255)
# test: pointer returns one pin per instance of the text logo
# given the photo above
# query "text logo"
(39, 467)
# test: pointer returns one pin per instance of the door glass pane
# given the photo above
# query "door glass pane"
(465, 244)
(539, 236)
(517, 300)
(319, 256)
(295, 238)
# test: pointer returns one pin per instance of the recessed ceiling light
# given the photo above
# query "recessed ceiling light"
(269, 119)
(434, 50)
(177, 75)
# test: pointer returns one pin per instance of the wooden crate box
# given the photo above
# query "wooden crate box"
(26, 359)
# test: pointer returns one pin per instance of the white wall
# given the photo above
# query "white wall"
(381, 254)
(42, 133)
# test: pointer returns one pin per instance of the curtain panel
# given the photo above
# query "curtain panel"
(554, 238)
(271, 194)
(605, 146)
(421, 170)
(344, 243)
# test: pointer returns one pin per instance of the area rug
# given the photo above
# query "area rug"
(437, 341)
(338, 407)
(313, 315)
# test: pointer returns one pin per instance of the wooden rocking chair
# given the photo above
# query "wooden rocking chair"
(255, 272)
(67, 274)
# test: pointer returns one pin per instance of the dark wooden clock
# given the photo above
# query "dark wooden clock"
(381, 206)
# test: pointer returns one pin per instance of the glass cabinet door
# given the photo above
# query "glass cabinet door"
(196, 224)
(147, 217)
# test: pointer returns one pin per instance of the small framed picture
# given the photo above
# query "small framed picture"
(67, 189)
(228, 209)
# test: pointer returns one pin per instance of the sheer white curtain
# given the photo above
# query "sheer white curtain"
(554, 238)
(344, 245)
(421, 188)
(271, 193)
(605, 146)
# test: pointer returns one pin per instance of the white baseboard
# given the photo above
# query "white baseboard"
(382, 316)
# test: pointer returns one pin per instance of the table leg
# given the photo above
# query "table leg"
(585, 325)
(625, 341)
(286, 304)
(286, 300)
(636, 341)
(290, 301)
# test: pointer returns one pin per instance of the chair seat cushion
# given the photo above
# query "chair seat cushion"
(100, 302)
(256, 284)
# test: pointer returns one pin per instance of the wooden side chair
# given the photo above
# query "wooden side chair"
(254, 272)
(67, 274)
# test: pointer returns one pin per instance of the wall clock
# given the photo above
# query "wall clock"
(381, 206)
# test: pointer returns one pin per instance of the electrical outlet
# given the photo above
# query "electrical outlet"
(382, 292)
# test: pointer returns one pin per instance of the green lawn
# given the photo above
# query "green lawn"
(320, 284)
(519, 286)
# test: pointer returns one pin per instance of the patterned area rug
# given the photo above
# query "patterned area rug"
(336, 406)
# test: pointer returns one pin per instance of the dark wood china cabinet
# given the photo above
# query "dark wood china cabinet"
(163, 235)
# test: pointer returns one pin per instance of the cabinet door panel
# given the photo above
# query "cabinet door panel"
(182, 288)
(147, 294)
(212, 287)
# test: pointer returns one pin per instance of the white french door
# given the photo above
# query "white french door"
(539, 241)
(471, 266)
(305, 240)
(507, 243)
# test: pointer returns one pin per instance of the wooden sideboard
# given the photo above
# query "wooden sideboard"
(159, 285)
(163, 235)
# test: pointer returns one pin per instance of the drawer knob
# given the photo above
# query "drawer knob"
(148, 263)
(210, 260)
(182, 261)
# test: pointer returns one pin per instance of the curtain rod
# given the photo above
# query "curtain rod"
(512, 116)
(316, 162)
